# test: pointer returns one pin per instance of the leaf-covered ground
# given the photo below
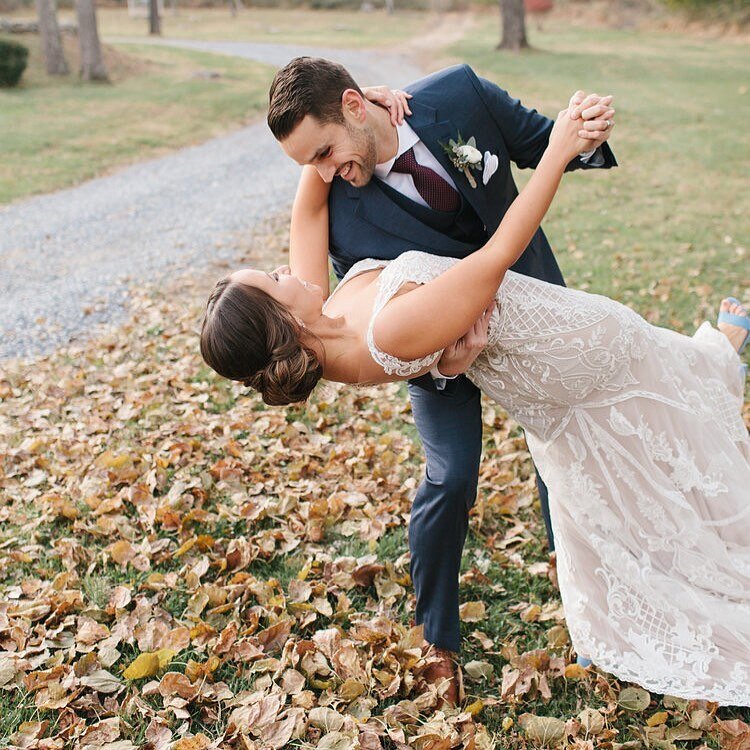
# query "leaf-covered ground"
(182, 567)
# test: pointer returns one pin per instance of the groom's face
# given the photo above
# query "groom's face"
(347, 150)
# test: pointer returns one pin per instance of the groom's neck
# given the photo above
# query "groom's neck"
(386, 134)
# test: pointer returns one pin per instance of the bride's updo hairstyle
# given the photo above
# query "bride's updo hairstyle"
(249, 336)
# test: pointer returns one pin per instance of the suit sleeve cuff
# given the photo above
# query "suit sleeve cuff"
(593, 158)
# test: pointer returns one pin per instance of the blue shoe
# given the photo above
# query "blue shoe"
(736, 320)
(583, 661)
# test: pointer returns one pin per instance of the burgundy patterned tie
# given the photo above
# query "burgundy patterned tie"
(438, 194)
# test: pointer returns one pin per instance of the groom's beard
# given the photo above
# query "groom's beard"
(363, 141)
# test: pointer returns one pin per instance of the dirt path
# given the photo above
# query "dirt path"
(446, 29)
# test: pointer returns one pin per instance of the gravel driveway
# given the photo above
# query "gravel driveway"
(67, 259)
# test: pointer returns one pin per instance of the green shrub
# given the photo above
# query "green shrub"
(735, 12)
(13, 59)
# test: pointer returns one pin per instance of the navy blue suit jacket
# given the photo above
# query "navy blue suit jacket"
(365, 223)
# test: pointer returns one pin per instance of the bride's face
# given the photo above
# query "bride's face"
(302, 299)
(347, 150)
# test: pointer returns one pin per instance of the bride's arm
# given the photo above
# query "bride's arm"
(308, 232)
(443, 309)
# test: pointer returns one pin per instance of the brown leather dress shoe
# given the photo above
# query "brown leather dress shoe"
(445, 669)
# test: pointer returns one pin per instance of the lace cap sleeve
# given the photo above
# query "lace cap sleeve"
(400, 271)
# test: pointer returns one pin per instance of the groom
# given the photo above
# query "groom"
(393, 188)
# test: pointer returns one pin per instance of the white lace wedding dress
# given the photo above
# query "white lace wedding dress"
(636, 430)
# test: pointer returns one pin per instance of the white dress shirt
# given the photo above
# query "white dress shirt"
(404, 183)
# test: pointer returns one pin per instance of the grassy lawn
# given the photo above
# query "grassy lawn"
(58, 132)
(668, 231)
(148, 507)
(334, 28)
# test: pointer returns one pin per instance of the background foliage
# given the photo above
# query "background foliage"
(13, 60)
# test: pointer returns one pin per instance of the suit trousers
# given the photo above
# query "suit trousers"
(450, 426)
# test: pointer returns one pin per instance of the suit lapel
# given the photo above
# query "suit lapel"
(433, 134)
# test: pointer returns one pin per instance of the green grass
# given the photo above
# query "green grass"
(668, 231)
(59, 132)
(16, 707)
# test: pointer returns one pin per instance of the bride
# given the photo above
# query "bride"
(635, 429)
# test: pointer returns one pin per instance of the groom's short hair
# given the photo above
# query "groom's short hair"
(307, 86)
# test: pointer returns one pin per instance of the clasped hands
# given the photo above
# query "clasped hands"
(597, 116)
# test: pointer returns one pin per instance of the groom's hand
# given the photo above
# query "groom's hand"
(457, 358)
(597, 116)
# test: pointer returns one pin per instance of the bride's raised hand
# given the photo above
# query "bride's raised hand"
(394, 100)
(568, 138)
(596, 116)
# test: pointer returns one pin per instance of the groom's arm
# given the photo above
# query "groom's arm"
(525, 131)
(308, 231)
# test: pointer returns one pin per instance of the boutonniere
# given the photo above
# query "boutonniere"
(464, 156)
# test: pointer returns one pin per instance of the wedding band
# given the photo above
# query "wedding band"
(609, 124)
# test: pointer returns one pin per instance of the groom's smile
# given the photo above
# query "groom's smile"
(335, 149)
(346, 171)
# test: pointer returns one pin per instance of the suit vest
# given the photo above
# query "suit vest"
(463, 225)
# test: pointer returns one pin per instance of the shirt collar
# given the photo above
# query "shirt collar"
(406, 139)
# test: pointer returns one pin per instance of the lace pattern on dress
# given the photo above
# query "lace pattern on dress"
(637, 432)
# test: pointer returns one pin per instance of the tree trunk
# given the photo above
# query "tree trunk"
(49, 34)
(234, 7)
(154, 22)
(514, 25)
(92, 63)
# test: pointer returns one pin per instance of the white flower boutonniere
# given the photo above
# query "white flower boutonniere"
(464, 156)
